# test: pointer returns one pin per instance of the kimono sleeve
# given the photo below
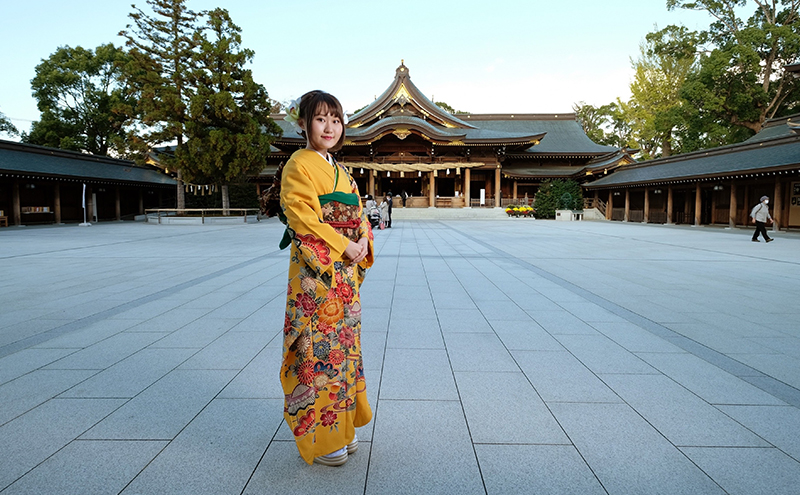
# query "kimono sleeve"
(319, 244)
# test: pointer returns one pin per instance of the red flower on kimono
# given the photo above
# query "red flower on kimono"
(345, 292)
(306, 422)
(325, 328)
(346, 337)
(317, 246)
(289, 290)
(339, 279)
(305, 372)
(306, 302)
(287, 325)
(328, 418)
(336, 356)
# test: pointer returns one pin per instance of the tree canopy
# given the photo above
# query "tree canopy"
(82, 100)
(228, 125)
(6, 126)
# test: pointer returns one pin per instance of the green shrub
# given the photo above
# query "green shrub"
(557, 194)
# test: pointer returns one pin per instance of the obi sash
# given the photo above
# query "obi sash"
(350, 199)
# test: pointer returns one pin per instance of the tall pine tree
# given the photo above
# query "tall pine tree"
(228, 125)
(162, 49)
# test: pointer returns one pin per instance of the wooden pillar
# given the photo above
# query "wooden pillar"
(746, 205)
(777, 213)
(610, 205)
(89, 204)
(686, 206)
(646, 205)
(627, 205)
(372, 183)
(698, 204)
(713, 219)
(431, 189)
(16, 208)
(515, 191)
(497, 175)
(57, 203)
(467, 175)
(734, 209)
(117, 204)
(669, 205)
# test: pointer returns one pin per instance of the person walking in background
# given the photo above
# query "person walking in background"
(389, 203)
(331, 242)
(404, 197)
(760, 215)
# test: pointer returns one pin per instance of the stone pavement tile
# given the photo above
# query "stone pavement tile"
(785, 345)
(413, 334)
(282, 470)
(421, 374)
(784, 368)
(34, 388)
(374, 320)
(435, 456)
(707, 381)
(501, 310)
(627, 454)
(525, 335)
(652, 311)
(214, 299)
(131, 375)
(743, 471)
(561, 295)
(89, 335)
(720, 339)
(453, 300)
(87, 468)
(679, 415)
(36, 435)
(260, 379)
(559, 377)
(602, 355)
(267, 318)
(478, 352)
(590, 312)
(559, 321)
(164, 409)
(232, 350)
(216, 453)
(550, 469)
(530, 300)
(29, 328)
(146, 311)
(503, 408)
(463, 320)
(197, 334)
(27, 360)
(238, 308)
(373, 346)
(635, 338)
(106, 352)
(779, 425)
(168, 321)
(413, 310)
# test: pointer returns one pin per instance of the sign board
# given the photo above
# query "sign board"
(483, 197)
(794, 205)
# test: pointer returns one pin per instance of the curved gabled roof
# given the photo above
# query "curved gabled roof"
(404, 92)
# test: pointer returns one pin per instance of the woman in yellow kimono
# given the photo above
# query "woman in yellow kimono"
(331, 248)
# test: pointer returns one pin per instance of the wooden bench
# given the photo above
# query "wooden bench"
(3, 221)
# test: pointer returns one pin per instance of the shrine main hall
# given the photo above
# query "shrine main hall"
(403, 142)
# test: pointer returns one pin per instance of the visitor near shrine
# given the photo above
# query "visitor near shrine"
(760, 215)
(331, 248)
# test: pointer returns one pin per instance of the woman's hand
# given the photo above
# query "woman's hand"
(357, 251)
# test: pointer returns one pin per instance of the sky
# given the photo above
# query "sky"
(489, 56)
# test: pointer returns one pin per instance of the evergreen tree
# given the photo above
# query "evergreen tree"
(82, 100)
(228, 125)
(555, 195)
(162, 49)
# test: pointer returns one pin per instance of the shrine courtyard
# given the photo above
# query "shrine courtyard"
(504, 356)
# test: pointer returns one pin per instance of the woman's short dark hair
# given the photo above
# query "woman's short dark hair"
(321, 103)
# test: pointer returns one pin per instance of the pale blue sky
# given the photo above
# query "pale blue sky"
(489, 56)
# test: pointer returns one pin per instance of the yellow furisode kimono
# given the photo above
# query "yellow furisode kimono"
(322, 372)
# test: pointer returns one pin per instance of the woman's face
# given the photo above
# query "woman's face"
(323, 132)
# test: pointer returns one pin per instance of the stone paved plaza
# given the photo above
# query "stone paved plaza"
(505, 356)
